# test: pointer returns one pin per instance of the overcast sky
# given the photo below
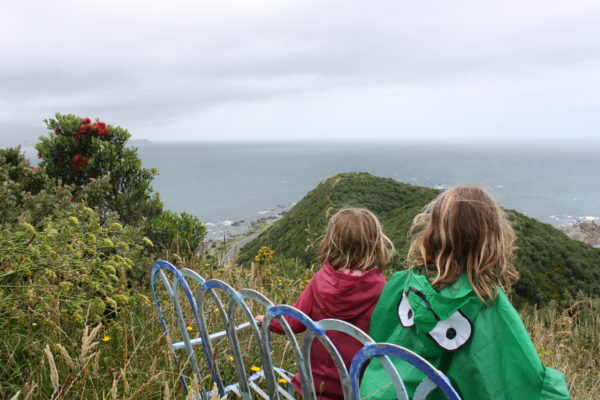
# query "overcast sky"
(323, 69)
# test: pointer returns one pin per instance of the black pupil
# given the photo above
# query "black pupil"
(410, 314)
(450, 333)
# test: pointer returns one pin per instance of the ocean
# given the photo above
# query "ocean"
(229, 185)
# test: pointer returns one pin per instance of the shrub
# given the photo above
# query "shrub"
(170, 229)
(264, 255)
(28, 193)
(79, 151)
(68, 271)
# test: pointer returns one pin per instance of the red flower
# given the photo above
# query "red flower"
(39, 154)
(102, 131)
(80, 133)
(73, 199)
(85, 161)
(101, 125)
(86, 120)
(76, 158)
(74, 167)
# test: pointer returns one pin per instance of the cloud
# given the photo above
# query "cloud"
(155, 65)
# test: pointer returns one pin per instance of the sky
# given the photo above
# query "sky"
(220, 70)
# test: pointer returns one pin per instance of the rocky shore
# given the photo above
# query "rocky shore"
(585, 231)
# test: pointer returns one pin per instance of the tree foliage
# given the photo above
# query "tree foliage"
(170, 229)
(79, 151)
(92, 157)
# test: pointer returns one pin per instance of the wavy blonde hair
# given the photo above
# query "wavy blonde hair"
(355, 240)
(464, 229)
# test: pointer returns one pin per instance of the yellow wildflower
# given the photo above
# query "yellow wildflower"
(281, 380)
(207, 265)
(230, 358)
(189, 328)
(255, 369)
(106, 339)
(34, 324)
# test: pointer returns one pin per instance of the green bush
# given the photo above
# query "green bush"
(69, 271)
(170, 229)
(28, 193)
(79, 151)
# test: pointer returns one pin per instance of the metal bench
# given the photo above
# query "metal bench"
(176, 283)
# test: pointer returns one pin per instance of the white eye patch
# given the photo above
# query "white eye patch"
(452, 333)
(405, 312)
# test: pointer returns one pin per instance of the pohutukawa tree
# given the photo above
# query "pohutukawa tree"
(80, 151)
(92, 156)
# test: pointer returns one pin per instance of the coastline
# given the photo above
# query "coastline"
(586, 231)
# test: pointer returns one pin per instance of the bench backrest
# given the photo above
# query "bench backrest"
(177, 281)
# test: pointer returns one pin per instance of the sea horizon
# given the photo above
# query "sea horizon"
(228, 185)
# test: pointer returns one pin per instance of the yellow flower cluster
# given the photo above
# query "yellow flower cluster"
(303, 283)
(264, 255)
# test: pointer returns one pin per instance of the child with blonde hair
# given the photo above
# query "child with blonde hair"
(451, 307)
(353, 253)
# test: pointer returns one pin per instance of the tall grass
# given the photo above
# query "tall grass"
(127, 358)
(568, 339)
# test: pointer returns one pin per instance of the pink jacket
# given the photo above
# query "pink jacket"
(334, 294)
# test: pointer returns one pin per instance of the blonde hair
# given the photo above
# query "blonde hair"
(464, 229)
(355, 240)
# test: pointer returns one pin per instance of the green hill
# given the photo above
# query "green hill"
(552, 266)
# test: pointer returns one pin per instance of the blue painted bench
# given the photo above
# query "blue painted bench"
(187, 293)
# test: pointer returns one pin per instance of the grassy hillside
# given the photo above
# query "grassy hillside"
(552, 266)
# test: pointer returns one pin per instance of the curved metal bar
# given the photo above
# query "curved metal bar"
(156, 268)
(381, 349)
(188, 273)
(335, 355)
(423, 389)
(209, 286)
(303, 356)
(265, 355)
(228, 319)
(266, 335)
(364, 339)
(174, 294)
(200, 323)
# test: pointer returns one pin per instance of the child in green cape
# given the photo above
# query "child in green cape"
(450, 307)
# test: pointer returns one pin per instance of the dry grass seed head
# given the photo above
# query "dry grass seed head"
(65, 355)
(88, 344)
(53, 370)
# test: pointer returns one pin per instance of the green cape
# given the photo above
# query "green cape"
(484, 350)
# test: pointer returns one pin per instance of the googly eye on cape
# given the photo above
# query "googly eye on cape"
(452, 333)
(405, 312)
